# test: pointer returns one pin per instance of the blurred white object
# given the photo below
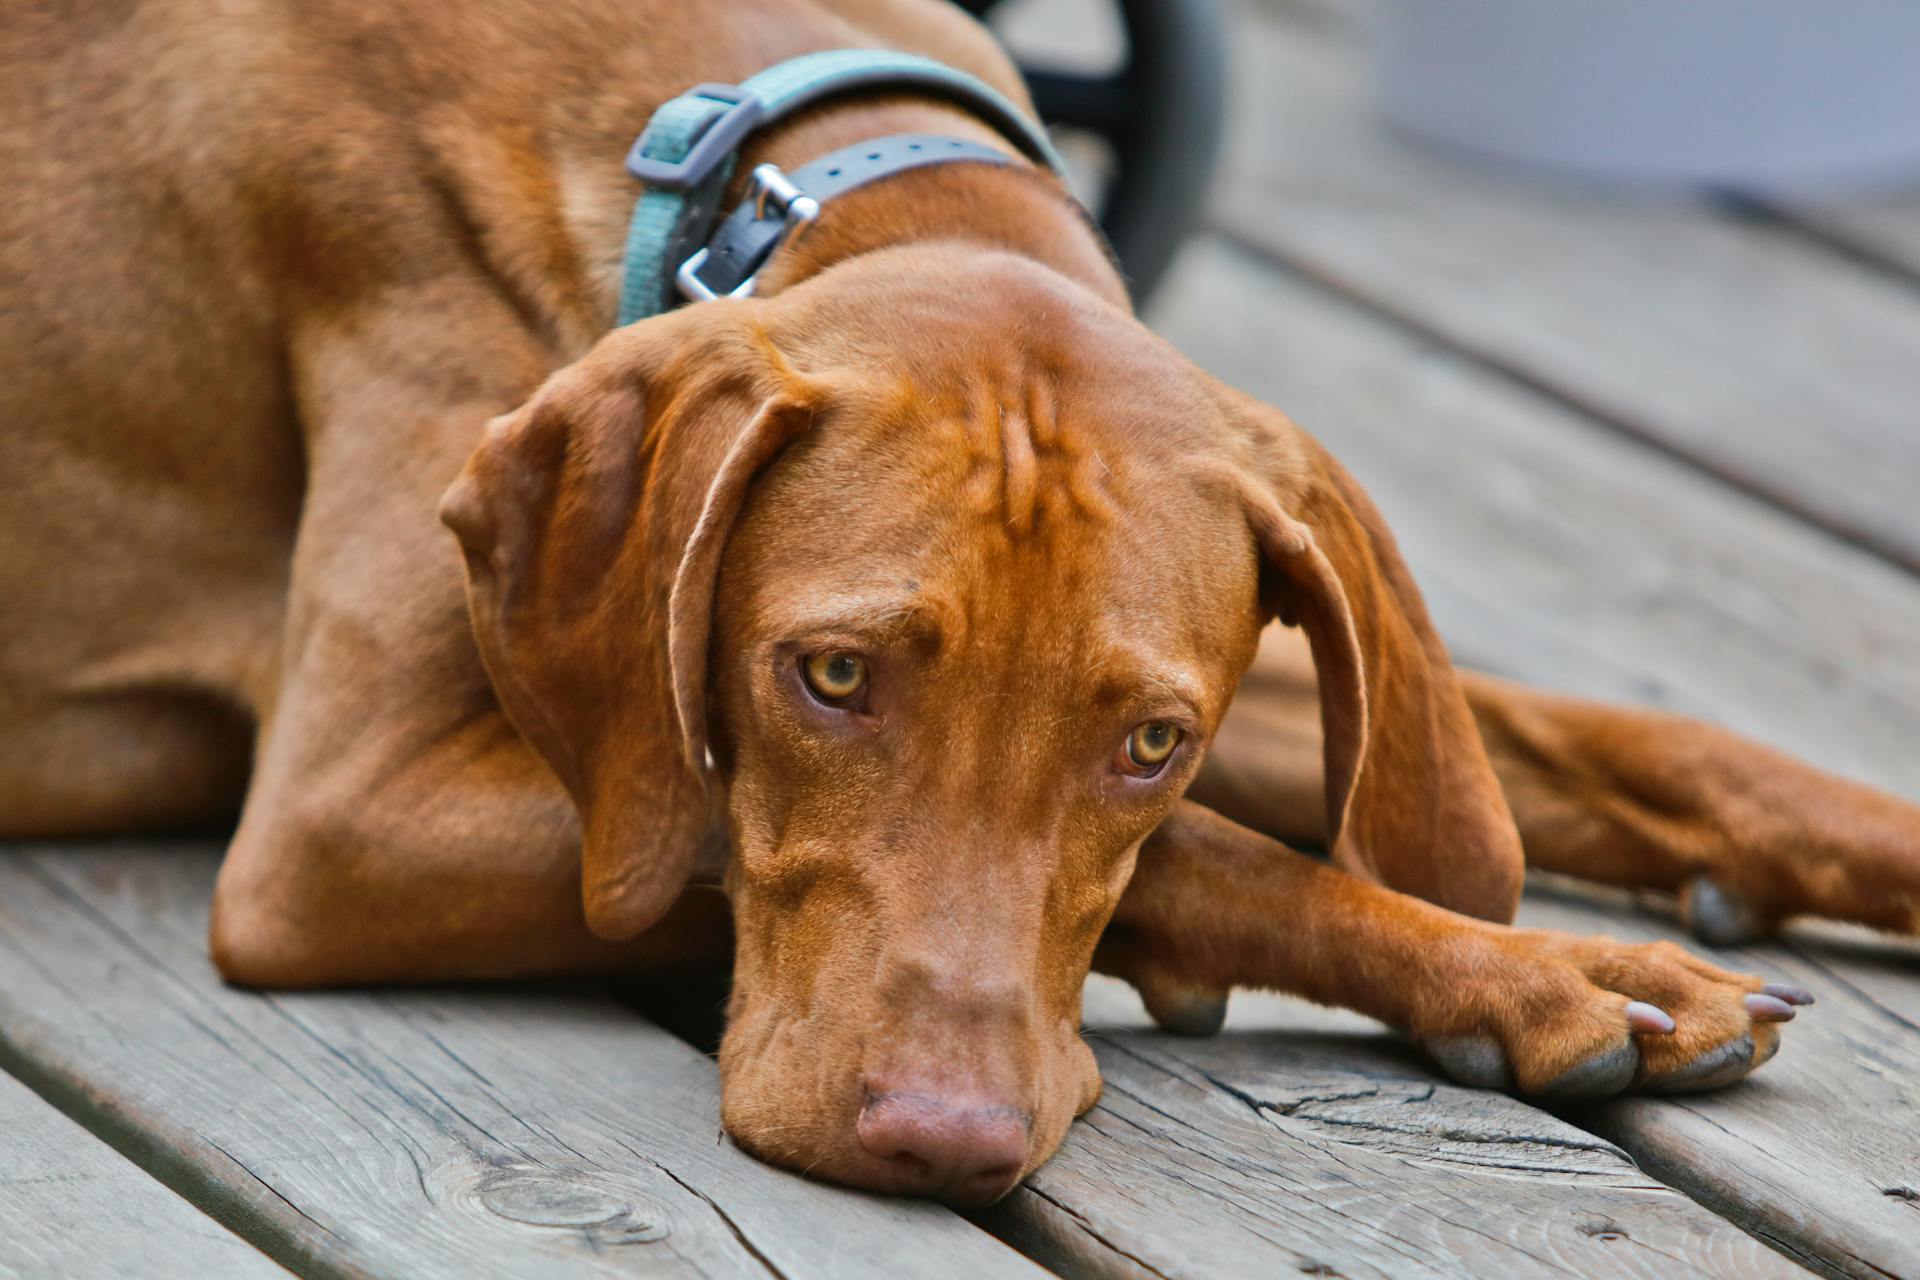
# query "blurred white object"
(1771, 94)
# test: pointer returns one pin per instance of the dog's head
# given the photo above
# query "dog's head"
(931, 580)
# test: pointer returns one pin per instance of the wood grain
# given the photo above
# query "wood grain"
(1882, 228)
(1562, 554)
(1738, 344)
(1568, 555)
(1820, 1151)
(408, 1134)
(71, 1207)
(1305, 1141)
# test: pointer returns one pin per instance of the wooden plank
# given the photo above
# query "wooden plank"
(409, 1134)
(1820, 1152)
(1765, 358)
(1884, 227)
(70, 1206)
(1304, 1141)
(1562, 554)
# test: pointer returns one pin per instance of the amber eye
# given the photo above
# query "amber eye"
(835, 678)
(1149, 745)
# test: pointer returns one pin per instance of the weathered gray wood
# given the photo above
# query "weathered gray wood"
(1883, 227)
(1740, 344)
(71, 1207)
(1316, 1145)
(1562, 554)
(1820, 1151)
(449, 1133)
(1569, 556)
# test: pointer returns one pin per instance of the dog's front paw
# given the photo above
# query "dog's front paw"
(1553, 1016)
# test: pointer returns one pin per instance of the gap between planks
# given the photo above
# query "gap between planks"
(71, 1206)
(408, 1133)
(1568, 556)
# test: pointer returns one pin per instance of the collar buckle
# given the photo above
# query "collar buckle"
(771, 189)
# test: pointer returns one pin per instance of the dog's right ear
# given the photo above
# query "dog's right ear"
(592, 521)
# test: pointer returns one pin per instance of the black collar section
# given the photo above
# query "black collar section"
(781, 205)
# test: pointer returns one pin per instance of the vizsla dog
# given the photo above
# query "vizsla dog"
(904, 601)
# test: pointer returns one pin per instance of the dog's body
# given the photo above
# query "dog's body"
(278, 266)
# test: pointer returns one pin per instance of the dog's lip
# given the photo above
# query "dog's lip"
(867, 1172)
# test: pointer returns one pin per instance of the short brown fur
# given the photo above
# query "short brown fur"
(291, 284)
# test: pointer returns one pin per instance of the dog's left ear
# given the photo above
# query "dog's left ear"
(592, 521)
(1412, 800)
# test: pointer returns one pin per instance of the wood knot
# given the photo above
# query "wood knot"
(556, 1199)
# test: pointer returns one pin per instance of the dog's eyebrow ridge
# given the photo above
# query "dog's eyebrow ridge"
(877, 618)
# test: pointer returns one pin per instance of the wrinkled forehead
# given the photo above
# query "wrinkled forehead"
(1027, 511)
(950, 324)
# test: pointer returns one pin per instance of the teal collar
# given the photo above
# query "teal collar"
(686, 156)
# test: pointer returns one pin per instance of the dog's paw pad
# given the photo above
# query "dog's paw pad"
(1472, 1060)
(1720, 1065)
(1600, 1076)
(1190, 1013)
(1719, 918)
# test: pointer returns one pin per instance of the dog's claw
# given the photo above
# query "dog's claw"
(1788, 992)
(1768, 1008)
(1649, 1019)
(1719, 918)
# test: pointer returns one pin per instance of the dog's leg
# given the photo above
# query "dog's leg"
(1747, 836)
(89, 765)
(396, 827)
(397, 852)
(1213, 905)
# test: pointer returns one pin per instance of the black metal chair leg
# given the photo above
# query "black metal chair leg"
(1160, 116)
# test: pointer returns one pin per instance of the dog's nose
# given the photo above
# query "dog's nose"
(961, 1152)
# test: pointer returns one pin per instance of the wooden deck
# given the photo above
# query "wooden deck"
(1668, 453)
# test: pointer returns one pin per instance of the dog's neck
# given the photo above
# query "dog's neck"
(1012, 208)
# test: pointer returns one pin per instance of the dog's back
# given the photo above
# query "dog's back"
(194, 193)
(148, 504)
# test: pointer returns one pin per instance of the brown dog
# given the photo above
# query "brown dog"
(908, 598)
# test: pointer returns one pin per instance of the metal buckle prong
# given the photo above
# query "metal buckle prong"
(771, 186)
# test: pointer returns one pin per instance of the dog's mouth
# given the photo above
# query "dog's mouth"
(961, 1126)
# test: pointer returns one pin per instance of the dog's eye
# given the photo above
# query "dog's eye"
(1150, 745)
(834, 678)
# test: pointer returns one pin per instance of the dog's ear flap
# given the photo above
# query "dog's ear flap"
(592, 521)
(1412, 800)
